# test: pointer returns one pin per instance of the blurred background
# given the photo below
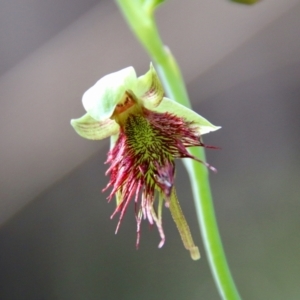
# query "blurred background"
(242, 69)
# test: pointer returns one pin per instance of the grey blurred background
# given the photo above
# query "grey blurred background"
(242, 68)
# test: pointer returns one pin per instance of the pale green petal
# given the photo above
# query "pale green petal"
(113, 140)
(168, 105)
(101, 99)
(149, 88)
(92, 129)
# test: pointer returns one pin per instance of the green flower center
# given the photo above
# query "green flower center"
(146, 141)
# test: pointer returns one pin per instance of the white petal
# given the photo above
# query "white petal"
(101, 99)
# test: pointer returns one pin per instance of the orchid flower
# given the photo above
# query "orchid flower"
(148, 133)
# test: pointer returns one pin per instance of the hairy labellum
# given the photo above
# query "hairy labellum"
(142, 162)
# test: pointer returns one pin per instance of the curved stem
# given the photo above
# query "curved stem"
(140, 19)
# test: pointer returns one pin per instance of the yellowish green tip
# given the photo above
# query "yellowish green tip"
(195, 253)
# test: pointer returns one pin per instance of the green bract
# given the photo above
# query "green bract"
(101, 99)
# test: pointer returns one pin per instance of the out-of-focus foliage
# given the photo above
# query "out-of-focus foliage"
(247, 2)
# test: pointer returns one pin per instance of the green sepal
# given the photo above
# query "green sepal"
(149, 88)
(168, 105)
(113, 140)
(102, 98)
(91, 129)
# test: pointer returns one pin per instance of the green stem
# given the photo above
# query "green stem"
(139, 15)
